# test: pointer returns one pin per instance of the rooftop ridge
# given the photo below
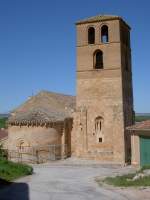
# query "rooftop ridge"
(51, 92)
(100, 18)
(143, 125)
(44, 107)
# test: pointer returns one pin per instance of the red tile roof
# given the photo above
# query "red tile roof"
(3, 134)
(144, 125)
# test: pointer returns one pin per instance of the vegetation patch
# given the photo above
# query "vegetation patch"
(3, 122)
(10, 170)
(127, 181)
(139, 179)
(141, 118)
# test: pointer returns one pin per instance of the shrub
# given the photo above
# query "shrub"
(3, 152)
(10, 170)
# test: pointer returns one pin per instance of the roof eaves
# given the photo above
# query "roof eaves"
(138, 129)
(102, 20)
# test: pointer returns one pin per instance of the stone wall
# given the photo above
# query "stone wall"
(39, 144)
(100, 93)
(32, 136)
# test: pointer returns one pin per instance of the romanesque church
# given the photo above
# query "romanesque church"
(93, 124)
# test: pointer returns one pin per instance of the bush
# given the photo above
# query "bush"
(3, 152)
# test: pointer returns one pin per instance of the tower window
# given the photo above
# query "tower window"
(99, 129)
(98, 59)
(91, 35)
(104, 34)
(100, 140)
(126, 61)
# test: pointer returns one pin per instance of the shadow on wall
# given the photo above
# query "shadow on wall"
(13, 191)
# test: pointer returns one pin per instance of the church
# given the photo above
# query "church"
(93, 124)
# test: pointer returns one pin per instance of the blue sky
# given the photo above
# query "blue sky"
(37, 46)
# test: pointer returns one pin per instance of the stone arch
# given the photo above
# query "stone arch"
(22, 144)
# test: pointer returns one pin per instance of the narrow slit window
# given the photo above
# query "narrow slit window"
(100, 140)
(126, 62)
(99, 132)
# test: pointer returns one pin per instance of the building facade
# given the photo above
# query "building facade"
(40, 129)
(140, 143)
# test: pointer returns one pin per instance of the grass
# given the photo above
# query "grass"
(10, 171)
(3, 122)
(126, 180)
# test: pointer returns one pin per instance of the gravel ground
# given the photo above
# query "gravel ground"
(72, 180)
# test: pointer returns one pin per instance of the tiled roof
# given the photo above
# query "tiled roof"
(144, 125)
(43, 108)
(98, 18)
(3, 134)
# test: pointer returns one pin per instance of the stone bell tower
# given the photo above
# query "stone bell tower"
(104, 106)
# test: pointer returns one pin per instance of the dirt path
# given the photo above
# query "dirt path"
(70, 182)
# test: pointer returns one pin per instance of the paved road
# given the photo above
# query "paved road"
(70, 182)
